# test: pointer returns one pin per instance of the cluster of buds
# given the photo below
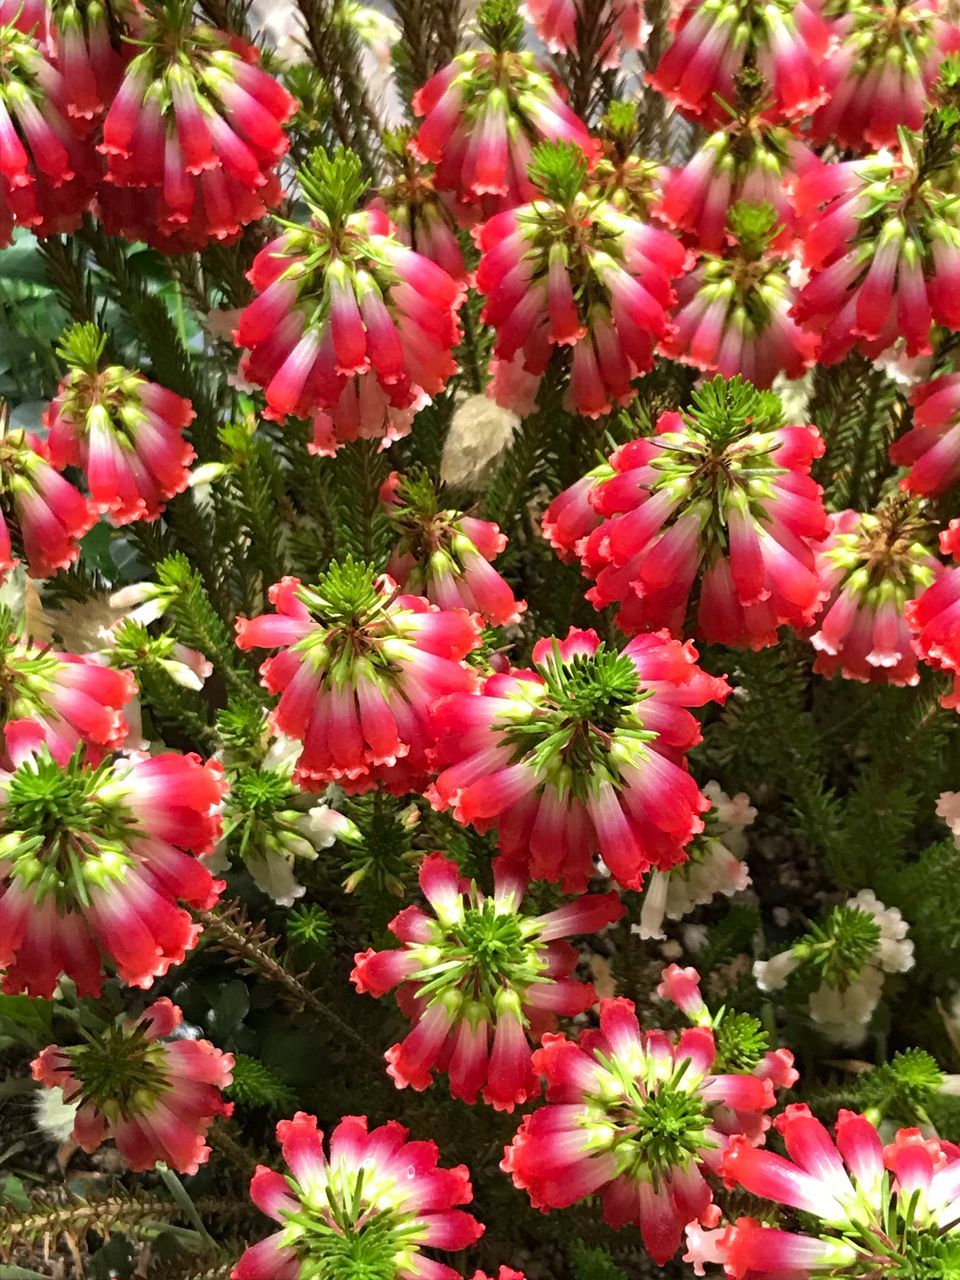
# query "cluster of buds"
(124, 432)
(480, 980)
(582, 755)
(572, 270)
(720, 498)
(350, 326)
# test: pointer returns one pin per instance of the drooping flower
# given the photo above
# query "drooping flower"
(570, 271)
(94, 860)
(880, 1211)
(734, 313)
(871, 566)
(934, 619)
(583, 755)
(713, 41)
(422, 216)
(713, 864)
(446, 555)
(620, 23)
(73, 699)
(124, 432)
(359, 669)
(639, 1118)
(931, 448)
(156, 1098)
(484, 112)
(41, 514)
(87, 49)
(883, 252)
(48, 174)
(350, 325)
(571, 516)
(718, 503)
(480, 980)
(880, 71)
(192, 137)
(368, 1208)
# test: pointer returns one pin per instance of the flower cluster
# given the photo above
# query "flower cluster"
(619, 21)
(931, 448)
(582, 755)
(155, 1098)
(934, 618)
(719, 499)
(480, 980)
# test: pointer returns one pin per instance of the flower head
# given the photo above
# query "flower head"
(155, 1098)
(359, 669)
(718, 504)
(480, 980)
(878, 1211)
(192, 137)
(484, 112)
(446, 555)
(638, 1117)
(931, 448)
(350, 325)
(126, 433)
(582, 755)
(48, 174)
(570, 271)
(368, 1208)
(94, 860)
(871, 566)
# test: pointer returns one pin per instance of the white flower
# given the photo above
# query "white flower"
(323, 825)
(273, 875)
(54, 1115)
(948, 808)
(894, 952)
(772, 974)
(843, 1016)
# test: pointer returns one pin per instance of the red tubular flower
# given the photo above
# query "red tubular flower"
(569, 271)
(26, 15)
(785, 40)
(734, 313)
(883, 254)
(638, 1117)
(620, 21)
(372, 1205)
(883, 1211)
(47, 514)
(192, 138)
(931, 448)
(480, 981)
(878, 75)
(155, 1098)
(934, 619)
(359, 669)
(422, 216)
(571, 516)
(48, 175)
(446, 555)
(350, 325)
(86, 50)
(94, 861)
(720, 500)
(583, 755)
(73, 700)
(126, 433)
(872, 566)
(485, 111)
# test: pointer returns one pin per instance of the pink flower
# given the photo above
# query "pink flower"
(621, 21)
(784, 39)
(480, 981)
(192, 138)
(719, 497)
(72, 700)
(879, 74)
(883, 253)
(126, 433)
(931, 448)
(359, 668)
(882, 1210)
(934, 618)
(349, 325)
(90, 56)
(574, 284)
(155, 1098)
(48, 175)
(446, 555)
(640, 1118)
(422, 217)
(583, 755)
(871, 567)
(378, 1194)
(101, 858)
(39, 511)
(571, 516)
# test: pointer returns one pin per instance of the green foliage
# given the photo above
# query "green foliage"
(500, 25)
(559, 170)
(333, 183)
(256, 1085)
(590, 1263)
